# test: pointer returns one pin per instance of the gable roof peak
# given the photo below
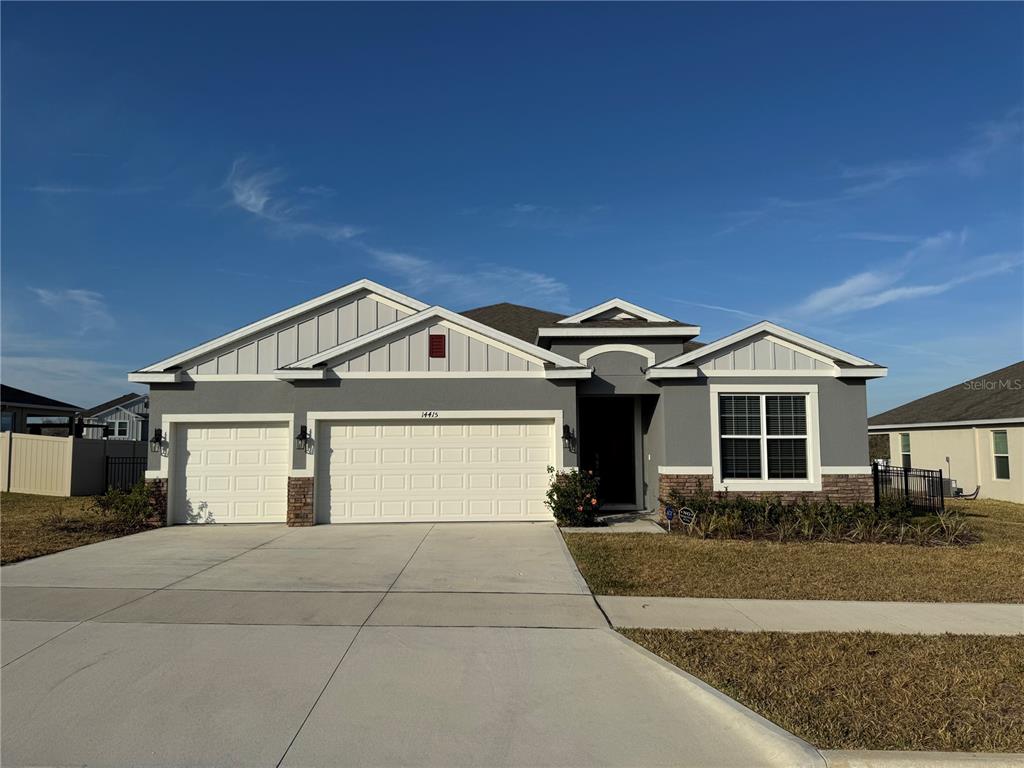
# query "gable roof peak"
(627, 307)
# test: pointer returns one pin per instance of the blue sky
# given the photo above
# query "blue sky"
(855, 172)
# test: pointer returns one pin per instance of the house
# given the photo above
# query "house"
(125, 417)
(367, 405)
(973, 432)
(26, 412)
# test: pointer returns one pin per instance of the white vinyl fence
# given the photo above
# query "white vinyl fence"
(59, 466)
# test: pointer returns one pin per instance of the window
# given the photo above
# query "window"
(1001, 454)
(118, 428)
(763, 437)
(905, 449)
(7, 423)
(436, 345)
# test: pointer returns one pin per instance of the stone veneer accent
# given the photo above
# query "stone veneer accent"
(843, 489)
(157, 488)
(300, 501)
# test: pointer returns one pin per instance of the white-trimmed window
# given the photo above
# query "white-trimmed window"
(1001, 454)
(905, 449)
(763, 437)
(118, 428)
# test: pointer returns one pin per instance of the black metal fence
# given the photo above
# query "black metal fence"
(922, 488)
(123, 472)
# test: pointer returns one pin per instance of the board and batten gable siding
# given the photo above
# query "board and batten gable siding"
(762, 355)
(300, 337)
(409, 353)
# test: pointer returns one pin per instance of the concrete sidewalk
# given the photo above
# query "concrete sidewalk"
(814, 615)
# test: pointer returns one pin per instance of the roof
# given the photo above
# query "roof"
(110, 404)
(995, 396)
(15, 396)
(625, 324)
(514, 319)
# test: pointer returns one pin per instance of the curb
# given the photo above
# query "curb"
(868, 758)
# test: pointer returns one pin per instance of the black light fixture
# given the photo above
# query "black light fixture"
(302, 439)
(156, 442)
(567, 437)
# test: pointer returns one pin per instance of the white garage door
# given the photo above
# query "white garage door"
(439, 470)
(231, 473)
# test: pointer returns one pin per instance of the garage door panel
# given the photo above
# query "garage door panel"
(231, 473)
(470, 470)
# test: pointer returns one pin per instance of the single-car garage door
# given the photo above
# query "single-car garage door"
(231, 473)
(494, 469)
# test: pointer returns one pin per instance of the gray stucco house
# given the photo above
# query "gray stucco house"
(366, 405)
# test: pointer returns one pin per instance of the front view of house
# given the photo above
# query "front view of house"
(365, 405)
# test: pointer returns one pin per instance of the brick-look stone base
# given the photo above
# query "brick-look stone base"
(843, 489)
(157, 488)
(300, 501)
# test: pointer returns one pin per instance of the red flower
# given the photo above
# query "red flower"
(593, 502)
(579, 509)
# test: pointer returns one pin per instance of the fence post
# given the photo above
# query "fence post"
(942, 494)
(875, 481)
(906, 483)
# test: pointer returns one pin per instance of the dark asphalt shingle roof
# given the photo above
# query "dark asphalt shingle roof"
(992, 396)
(16, 396)
(126, 398)
(514, 319)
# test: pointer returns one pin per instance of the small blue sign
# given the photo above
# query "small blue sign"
(669, 513)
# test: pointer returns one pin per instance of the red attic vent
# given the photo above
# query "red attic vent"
(436, 344)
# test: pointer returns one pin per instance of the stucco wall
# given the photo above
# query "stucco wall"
(662, 348)
(217, 397)
(971, 458)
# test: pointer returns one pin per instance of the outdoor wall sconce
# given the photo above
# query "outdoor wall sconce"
(156, 442)
(303, 439)
(568, 438)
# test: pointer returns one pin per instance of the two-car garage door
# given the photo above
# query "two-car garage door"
(434, 470)
(367, 471)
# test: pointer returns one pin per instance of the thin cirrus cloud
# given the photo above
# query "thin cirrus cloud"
(253, 190)
(76, 189)
(480, 284)
(82, 309)
(974, 158)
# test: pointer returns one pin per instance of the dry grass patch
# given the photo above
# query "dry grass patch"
(864, 690)
(32, 525)
(991, 570)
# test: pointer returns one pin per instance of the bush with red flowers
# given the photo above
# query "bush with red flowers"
(572, 496)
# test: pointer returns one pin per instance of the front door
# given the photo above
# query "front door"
(608, 446)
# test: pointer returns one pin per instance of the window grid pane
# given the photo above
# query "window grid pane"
(739, 414)
(904, 442)
(999, 443)
(786, 414)
(787, 458)
(1002, 467)
(741, 458)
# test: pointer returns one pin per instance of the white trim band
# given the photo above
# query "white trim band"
(941, 424)
(684, 470)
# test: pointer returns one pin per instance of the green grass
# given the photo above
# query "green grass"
(29, 528)
(991, 570)
(864, 690)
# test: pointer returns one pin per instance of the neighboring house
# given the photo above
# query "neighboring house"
(27, 412)
(973, 432)
(366, 405)
(125, 417)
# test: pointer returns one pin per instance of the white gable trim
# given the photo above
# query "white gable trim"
(876, 428)
(804, 342)
(376, 290)
(630, 348)
(450, 320)
(155, 377)
(629, 307)
(629, 330)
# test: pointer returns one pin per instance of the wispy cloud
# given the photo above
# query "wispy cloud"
(84, 310)
(879, 237)
(480, 284)
(720, 308)
(253, 190)
(82, 382)
(858, 182)
(319, 190)
(539, 216)
(876, 288)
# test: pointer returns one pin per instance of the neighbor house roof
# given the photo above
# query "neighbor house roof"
(15, 396)
(995, 396)
(110, 404)
(514, 319)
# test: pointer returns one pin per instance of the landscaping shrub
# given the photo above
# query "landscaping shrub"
(124, 512)
(722, 516)
(572, 496)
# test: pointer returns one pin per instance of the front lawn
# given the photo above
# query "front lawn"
(864, 690)
(32, 525)
(991, 570)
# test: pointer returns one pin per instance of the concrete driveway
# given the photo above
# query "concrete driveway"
(449, 644)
